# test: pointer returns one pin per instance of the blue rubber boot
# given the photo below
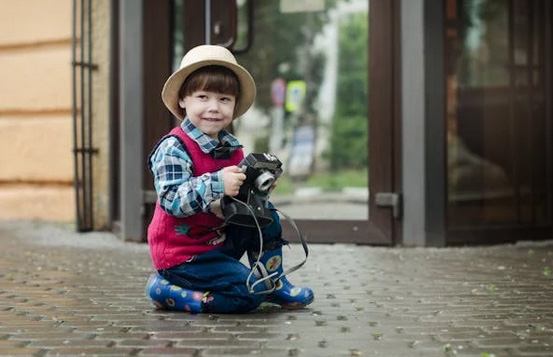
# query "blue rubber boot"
(167, 296)
(286, 294)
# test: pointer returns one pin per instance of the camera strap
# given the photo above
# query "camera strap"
(303, 242)
(258, 269)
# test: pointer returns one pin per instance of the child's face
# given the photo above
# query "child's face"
(210, 112)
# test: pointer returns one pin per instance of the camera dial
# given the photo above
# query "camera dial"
(264, 181)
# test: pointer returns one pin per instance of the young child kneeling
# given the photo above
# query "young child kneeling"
(196, 255)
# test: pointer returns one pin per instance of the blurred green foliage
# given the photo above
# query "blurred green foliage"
(349, 141)
(328, 182)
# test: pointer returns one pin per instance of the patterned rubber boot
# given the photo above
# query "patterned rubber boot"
(286, 295)
(167, 296)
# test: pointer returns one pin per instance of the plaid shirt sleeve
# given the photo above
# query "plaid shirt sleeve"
(179, 193)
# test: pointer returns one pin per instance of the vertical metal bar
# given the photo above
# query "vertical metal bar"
(113, 117)
(530, 128)
(131, 118)
(512, 98)
(83, 111)
(435, 139)
(89, 209)
(208, 22)
(543, 179)
(548, 60)
(421, 27)
(74, 109)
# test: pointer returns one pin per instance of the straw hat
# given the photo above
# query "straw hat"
(208, 55)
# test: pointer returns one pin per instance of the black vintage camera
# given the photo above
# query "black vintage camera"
(262, 170)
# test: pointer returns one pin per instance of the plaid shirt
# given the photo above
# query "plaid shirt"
(179, 193)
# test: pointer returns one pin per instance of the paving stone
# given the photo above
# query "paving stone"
(121, 336)
(534, 351)
(19, 351)
(244, 352)
(68, 343)
(511, 342)
(60, 335)
(218, 343)
(143, 343)
(11, 344)
(108, 351)
(169, 351)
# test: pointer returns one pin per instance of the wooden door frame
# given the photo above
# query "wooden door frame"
(384, 112)
(384, 159)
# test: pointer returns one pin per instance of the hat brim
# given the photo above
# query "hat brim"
(170, 91)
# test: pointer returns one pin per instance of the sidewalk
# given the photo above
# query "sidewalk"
(64, 293)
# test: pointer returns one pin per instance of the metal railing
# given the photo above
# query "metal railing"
(81, 110)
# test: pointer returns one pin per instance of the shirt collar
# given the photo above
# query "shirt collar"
(206, 143)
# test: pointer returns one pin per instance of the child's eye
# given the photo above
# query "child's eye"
(226, 99)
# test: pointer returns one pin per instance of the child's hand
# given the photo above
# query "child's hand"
(233, 178)
(215, 207)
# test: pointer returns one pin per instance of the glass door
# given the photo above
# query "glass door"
(499, 119)
(310, 63)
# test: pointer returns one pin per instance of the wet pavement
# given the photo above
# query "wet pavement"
(64, 293)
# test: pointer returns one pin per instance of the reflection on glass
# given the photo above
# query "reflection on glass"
(310, 65)
(178, 34)
(496, 114)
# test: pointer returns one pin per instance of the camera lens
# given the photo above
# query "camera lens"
(264, 181)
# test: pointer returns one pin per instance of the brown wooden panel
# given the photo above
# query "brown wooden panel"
(361, 232)
(489, 236)
(194, 23)
(381, 110)
(157, 67)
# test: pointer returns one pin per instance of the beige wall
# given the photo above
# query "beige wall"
(36, 142)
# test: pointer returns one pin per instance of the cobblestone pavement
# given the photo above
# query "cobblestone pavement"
(64, 293)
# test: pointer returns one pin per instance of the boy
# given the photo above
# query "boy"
(194, 166)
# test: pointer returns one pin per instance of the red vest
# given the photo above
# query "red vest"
(174, 240)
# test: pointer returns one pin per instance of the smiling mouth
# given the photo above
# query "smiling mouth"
(212, 119)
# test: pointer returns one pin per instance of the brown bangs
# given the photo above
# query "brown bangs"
(216, 79)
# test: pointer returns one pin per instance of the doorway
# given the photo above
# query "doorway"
(313, 108)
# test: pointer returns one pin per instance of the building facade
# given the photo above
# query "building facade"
(421, 123)
(35, 111)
